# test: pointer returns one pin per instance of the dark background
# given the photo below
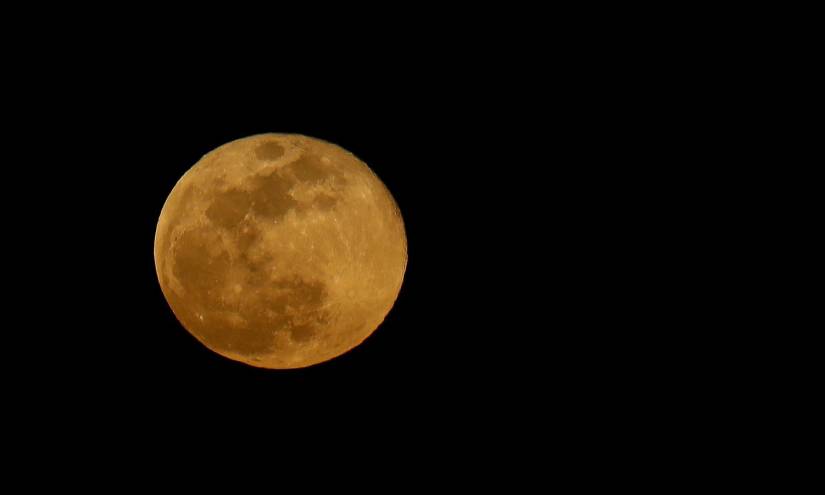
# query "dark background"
(517, 165)
(570, 184)
(448, 144)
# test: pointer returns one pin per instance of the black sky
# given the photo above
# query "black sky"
(505, 164)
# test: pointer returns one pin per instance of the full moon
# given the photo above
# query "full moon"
(280, 251)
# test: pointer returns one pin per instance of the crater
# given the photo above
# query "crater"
(269, 151)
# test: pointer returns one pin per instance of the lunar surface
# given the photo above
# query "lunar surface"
(280, 251)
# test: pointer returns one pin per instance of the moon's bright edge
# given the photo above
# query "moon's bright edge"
(280, 251)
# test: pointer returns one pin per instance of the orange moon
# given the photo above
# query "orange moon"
(280, 251)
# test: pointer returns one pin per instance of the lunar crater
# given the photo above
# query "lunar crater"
(269, 150)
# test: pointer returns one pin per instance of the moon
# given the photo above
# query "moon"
(280, 251)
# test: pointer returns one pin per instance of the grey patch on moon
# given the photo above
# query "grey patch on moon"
(314, 170)
(308, 168)
(324, 202)
(270, 194)
(287, 306)
(293, 306)
(229, 208)
(246, 338)
(298, 303)
(269, 150)
(199, 267)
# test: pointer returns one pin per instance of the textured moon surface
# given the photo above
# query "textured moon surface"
(280, 250)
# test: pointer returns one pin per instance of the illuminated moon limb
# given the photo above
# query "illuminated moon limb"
(280, 251)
